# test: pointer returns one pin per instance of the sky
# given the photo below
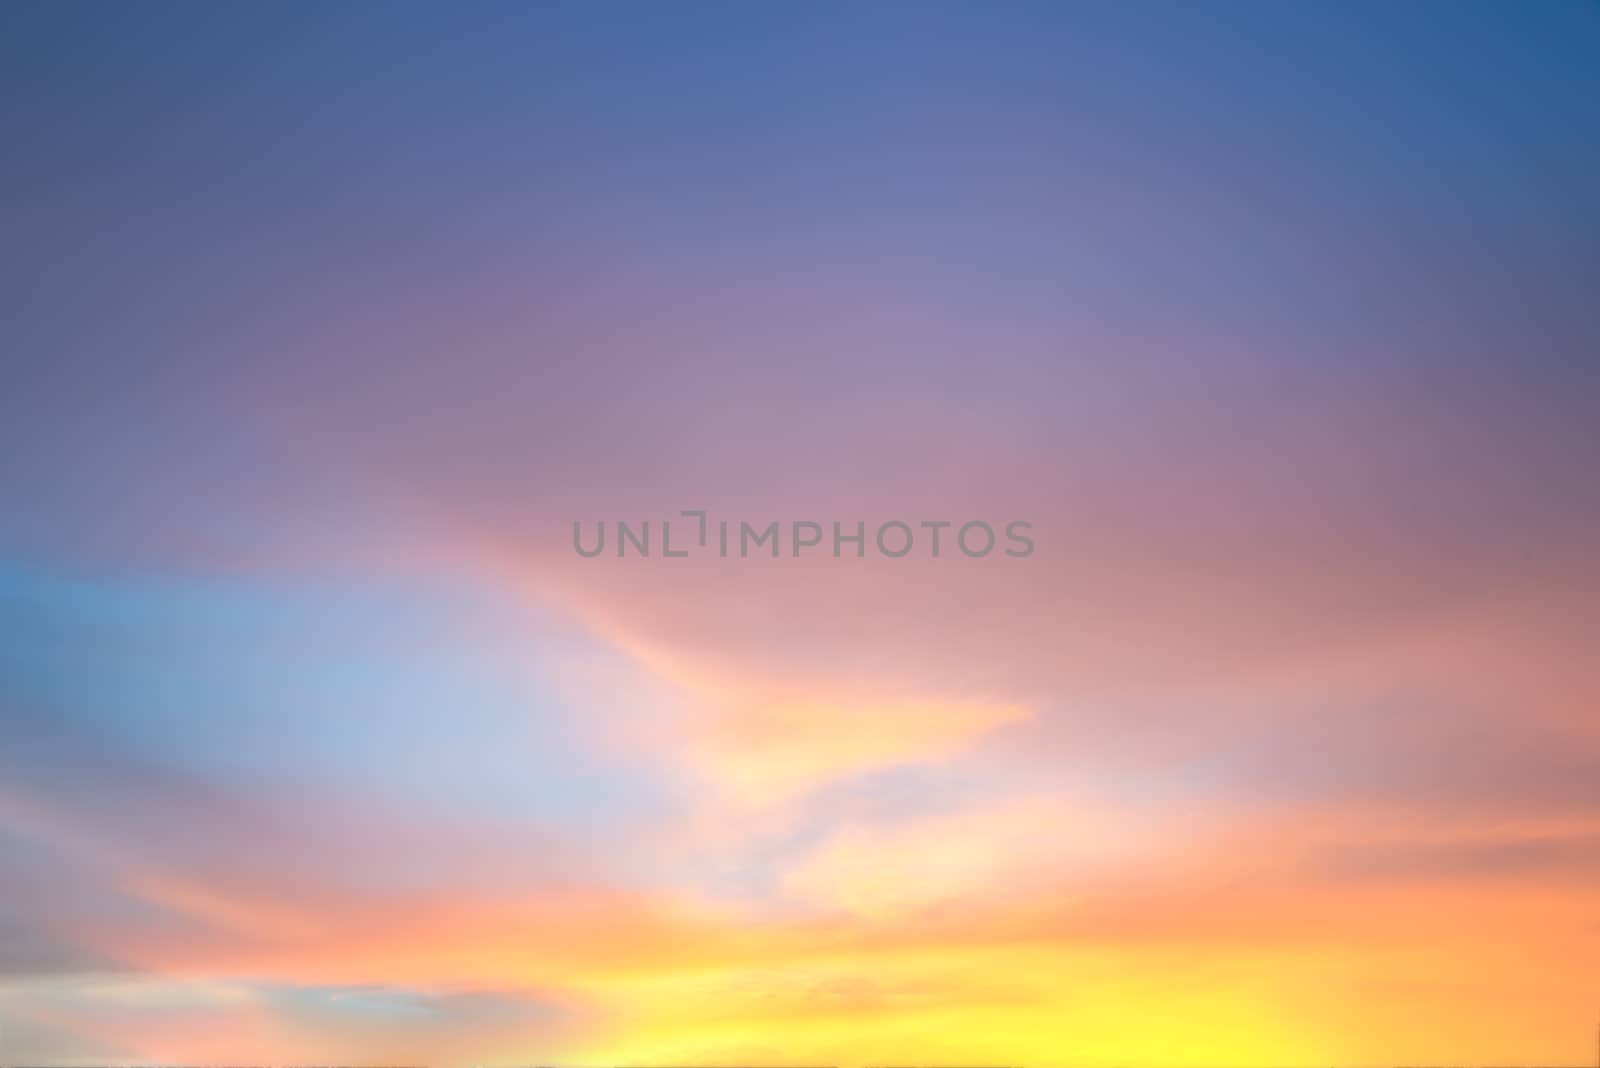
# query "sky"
(321, 326)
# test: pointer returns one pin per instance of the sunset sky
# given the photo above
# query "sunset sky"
(320, 327)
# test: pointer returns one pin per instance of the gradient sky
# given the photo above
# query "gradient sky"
(321, 325)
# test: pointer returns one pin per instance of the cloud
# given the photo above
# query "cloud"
(27, 950)
(152, 1020)
(1529, 857)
